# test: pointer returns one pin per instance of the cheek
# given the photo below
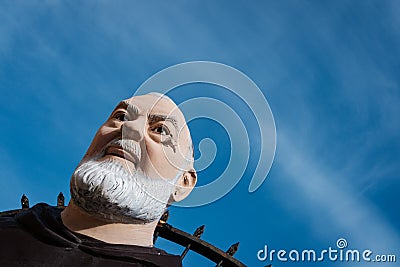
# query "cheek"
(103, 136)
(159, 161)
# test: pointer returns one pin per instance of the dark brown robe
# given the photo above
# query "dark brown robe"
(37, 237)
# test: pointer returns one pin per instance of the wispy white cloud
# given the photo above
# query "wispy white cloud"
(324, 193)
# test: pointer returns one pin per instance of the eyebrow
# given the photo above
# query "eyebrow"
(154, 118)
(122, 104)
(127, 106)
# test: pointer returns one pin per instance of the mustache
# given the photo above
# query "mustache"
(130, 147)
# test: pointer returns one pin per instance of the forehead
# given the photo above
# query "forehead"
(153, 105)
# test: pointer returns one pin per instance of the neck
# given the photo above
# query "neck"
(79, 221)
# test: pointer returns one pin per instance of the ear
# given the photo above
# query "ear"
(184, 186)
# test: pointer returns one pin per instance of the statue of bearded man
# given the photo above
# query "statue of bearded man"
(140, 161)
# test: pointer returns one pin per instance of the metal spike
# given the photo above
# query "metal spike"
(232, 250)
(164, 218)
(24, 202)
(199, 231)
(60, 200)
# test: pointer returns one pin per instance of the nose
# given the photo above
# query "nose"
(134, 129)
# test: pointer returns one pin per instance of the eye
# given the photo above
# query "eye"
(161, 129)
(161, 133)
(121, 116)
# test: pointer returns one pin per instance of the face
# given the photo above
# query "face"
(157, 140)
(139, 159)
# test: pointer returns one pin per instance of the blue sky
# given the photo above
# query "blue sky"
(330, 72)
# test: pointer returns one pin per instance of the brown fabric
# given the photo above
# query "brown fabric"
(37, 237)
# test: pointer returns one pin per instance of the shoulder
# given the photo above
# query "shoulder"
(12, 223)
(7, 222)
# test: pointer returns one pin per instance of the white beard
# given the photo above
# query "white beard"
(107, 189)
